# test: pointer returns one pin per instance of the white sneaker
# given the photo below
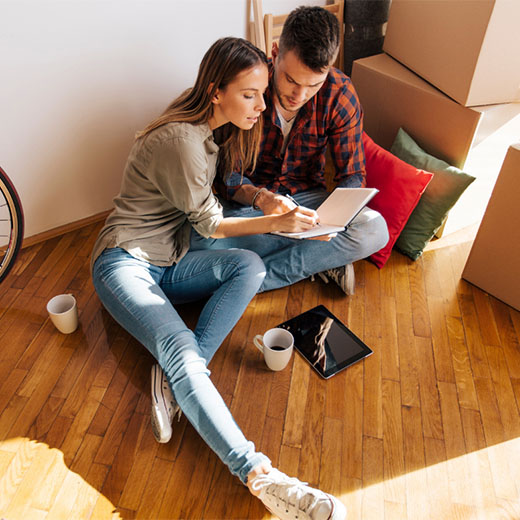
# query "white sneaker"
(288, 498)
(164, 406)
(344, 276)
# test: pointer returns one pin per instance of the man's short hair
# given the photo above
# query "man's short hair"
(312, 33)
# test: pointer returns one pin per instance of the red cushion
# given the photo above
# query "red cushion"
(400, 187)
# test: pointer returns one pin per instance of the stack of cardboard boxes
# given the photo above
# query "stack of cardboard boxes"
(450, 76)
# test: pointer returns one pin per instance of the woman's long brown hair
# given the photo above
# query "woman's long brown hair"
(223, 61)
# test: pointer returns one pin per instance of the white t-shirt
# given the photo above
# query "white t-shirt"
(286, 127)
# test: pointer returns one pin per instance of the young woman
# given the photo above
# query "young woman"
(142, 266)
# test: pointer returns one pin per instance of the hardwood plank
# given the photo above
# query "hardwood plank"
(373, 489)
(352, 446)
(295, 415)
(10, 386)
(44, 496)
(421, 319)
(461, 364)
(449, 281)
(312, 432)
(439, 499)
(390, 351)
(46, 417)
(441, 346)
(509, 339)
(429, 393)
(353, 496)
(507, 406)
(454, 443)
(416, 480)
(141, 470)
(155, 489)
(13, 479)
(81, 423)
(118, 425)
(30, 269)
(372, 295)
(372, 393)
(36, 402)
(498, 451)
(485, 318)
(332, 447)
(479, 470)
(289, 459)
(393, 443)
(123, 461)
(407, 361)
(471, 332)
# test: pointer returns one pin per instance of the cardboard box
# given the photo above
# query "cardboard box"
(393, 96)
(499, 128)
(474, 139)
(494, 260)
(469, 49)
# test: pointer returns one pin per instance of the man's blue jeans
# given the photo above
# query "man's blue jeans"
(288, 260)
(140, 297)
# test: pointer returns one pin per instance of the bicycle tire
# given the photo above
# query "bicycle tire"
(11, 224)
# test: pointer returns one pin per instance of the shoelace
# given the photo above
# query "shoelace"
(289, 491)
(323, 276)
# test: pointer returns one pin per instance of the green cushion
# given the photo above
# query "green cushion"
(447, 185)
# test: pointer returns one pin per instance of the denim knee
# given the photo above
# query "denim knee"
(369, 231)
(250, 265)
(378, 231)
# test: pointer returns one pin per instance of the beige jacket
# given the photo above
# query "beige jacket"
(166, 189)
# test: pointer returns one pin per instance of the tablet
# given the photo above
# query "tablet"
(325, 342)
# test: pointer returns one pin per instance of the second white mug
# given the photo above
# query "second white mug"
(277, 346)
(63, 312)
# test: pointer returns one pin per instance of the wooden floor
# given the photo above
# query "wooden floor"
(426, 428)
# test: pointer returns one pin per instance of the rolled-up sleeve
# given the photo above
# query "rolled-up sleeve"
(183, 170)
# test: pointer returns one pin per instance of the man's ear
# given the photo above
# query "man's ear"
(275, 51)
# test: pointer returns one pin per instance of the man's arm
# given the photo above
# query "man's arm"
(346, 140)
(242, 190)
(266, 201)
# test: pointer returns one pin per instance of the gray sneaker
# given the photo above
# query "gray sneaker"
(164, 406)
(288, 498)
(344, 276)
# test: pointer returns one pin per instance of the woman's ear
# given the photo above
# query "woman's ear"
(215, 98)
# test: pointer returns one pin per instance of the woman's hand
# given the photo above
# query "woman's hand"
(297, 219)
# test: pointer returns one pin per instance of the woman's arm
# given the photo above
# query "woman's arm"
(298, 219)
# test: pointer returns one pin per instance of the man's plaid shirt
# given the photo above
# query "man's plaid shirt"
(334, 118)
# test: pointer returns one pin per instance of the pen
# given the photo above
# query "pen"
(296, 202)
(291, 199)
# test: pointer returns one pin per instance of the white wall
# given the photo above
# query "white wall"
(80, 77)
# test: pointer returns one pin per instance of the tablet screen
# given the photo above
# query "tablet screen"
(324, 341)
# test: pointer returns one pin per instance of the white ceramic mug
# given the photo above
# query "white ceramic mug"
(277, 346)
(63, 312)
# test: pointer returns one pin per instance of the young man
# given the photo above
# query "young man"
(311, 107)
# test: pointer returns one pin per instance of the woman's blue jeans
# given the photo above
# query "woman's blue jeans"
(140, 296)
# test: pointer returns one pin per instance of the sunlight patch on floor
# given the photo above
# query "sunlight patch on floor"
(482, 485)
(36, 483)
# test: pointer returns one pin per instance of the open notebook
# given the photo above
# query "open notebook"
(337, 211)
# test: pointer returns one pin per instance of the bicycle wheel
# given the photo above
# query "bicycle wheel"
(11, 224)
